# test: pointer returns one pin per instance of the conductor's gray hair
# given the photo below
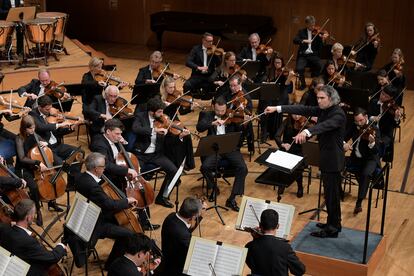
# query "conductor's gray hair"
(94, 160)
(332, 94)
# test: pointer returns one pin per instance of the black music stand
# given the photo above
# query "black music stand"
(312, 154)
(217, 144)
(143, 93)
(276, 175)
(251, 67)
(354, 97)
(362, 80)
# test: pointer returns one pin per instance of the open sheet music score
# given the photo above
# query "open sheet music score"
(12, 265)
(284, 159)
(210, 258)
(246, 217)
(82, 217)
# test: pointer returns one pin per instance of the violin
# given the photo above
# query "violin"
(157, 72)
(234, 116)
(138, 188)
(237, 68)
(185, 101)
(365, 131)
(255, 232)
(174, 127)
(55, 89)
(126, 217)
(337, 79)
(318, 30)
(56, 117)
(374, 38)
(51, 185)
(15, 195)
(350, 62)
(109, 79)
(14, 107)
(391, 106)
(239, 99)
(120, 107)
(214, 50)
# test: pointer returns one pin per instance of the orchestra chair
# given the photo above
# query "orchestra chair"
(224, 171)
(157, 172)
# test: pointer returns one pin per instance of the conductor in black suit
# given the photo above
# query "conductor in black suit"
(18, 240)
(88, 184)
(149, 145)
(330, 130)
(364, 157)
(202, 66)
(268, 255)
(137, 252)
(214, 123)
(176, 236)
(309, 50)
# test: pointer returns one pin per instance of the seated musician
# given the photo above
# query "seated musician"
(366, 48)
(388, 118)
(269, 255)
(309, 50)
(149, 145)
(90, 86)
(176, 148)
(364, 156)
(395, 72)
(52, 134)
(333, 77)
(19, 241)
(10, 183)
(176, 235)
(7, 145)
(36, 88)
(25, 166)
(107, 144)
(152, 73)
(290, 127)
(309, 97)
(137, 253)
(252, 53)
(202, 64)
(214, 123)
(88, 184)
(278, 73)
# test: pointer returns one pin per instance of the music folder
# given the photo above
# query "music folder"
(11, 265)
(280, 160)
(210, 258)
(247, 217)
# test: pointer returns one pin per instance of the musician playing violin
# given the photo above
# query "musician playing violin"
(269, 255)
(137, 254)
(395, 71)
(256, 52)
(173, 98)
(19, 241)
(88, 184)
(37, 88)
(364, 158)
(333, 77)
(90, 86)
(153, 72)
(366, 48)
(309, 97)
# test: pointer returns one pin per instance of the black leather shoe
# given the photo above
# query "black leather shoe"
(232, 204)
(325, 234)
(150, 227)
(323, 226)
(53, 205)
(358, 209)
(214, 193)
(164, 202)
(299, 193)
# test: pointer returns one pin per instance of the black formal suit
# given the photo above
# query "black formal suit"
(144, 74)
(330, 130)
(366, 162)
(247, 54)
(90, 89)
(398, 82)
(271, 256)
(93, 113)
(199, 79)
(366, 55)
(9, 183)
(142, 128)
(235, 158)
(27, 248)
(175, 241)
(123, 267)
(106, 226)
(32, 88)
(305, 59)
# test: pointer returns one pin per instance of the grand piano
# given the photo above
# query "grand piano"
(236, 27)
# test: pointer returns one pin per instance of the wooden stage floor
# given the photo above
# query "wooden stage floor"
(399, 228)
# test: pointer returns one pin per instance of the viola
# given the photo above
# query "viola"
(391, 106)
(109, 79)
(234, 116)
(55, 89)
(157, 72)
(126, 217)
(214, 50)
(239, 99)
(56, 116)
(138, 188)
(185, 101)
(120, 107)
(51, 185)
(174, 127)
(366, 130)
(15, 195)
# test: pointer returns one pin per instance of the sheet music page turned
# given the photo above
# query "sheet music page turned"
(284, 159)
(230, 260)
(203, 253)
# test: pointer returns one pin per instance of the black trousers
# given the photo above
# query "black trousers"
(28, 175)
(161, 160)
(198, 81)
(311, 60)
(365, 170)
(332, 186)
(236, 161)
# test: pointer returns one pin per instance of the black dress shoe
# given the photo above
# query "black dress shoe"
(53, 205)
(325, 234)
(324, 225)
(150, 227)
(164, 202)
(299, 193)
(214, 193)
(358, 209)
(232, 204)
(39, 218)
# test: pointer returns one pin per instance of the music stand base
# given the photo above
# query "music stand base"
(216, 207)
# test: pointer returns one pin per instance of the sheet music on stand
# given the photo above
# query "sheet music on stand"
(82, 217)
(284, 160)
(246, 217)
(11, 265)
(175, 178)
(210, 258)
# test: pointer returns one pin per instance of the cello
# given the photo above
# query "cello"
(51, 184)
(126, 217)
(138, 188)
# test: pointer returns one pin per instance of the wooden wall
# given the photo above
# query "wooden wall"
(95, 20)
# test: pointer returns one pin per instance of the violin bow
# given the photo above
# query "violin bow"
(268, 41)
(10, 99)
(110, 75)
(162, 72)
(290, 59)
(342, 68)
(301, 129)
(321, 28)
(125, 105)
(365, 44)
(234, 73)
(212, 55)
(176, 99)
(381, 89)
(253, 118)
(172, 119)
(251, 91)
(254, 213)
